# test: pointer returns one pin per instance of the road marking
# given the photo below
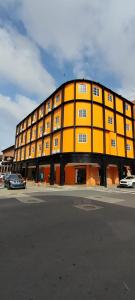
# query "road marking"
(87, 207)
(29, 200)
(104, 199)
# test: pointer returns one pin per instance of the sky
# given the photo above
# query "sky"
(44, 43)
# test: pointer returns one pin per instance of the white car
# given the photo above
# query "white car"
(128, 181)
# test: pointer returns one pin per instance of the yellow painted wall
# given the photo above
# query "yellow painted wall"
(69, 92)
(22, 153)
(107, 102)
(128, 112)
(39, 151)
(60, 99)
(27, 152)
(68, 140)
(33, 150)
(40, 133)
(108, 126)
(95, 97)
(68, 115)
(41, 112)
(56, 149)
(97, 116)
(86, 95)
(129, 133)
(48, 119)
(46, 151)
(97, 141)
(29, 121)
(130, 152)
(46, 108)
(119, 104)
(57, 113)
(83, 147)
(34, 128)
(28, 136)
(83, 121)
(120, 146)
(120, 124)
(109, 148)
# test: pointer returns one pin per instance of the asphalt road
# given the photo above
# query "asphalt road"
(66, 248)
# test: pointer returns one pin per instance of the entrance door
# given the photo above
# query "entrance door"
(81, 176)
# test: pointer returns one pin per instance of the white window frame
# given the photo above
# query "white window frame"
(39, 147)
(47, 146)
(82, 138)
(110, 97)
(57, 120)
(110, 120)
(128, 147)
(47, 124)
(95, 91)
(83, 88)
(82, 113)
(56, 142)
(113, 143)
(126, 106)
(48, 105)
(127, 127)
(57, 99)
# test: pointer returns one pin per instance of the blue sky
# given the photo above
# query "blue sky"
(44, 43)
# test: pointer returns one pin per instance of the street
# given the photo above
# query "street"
(67, 244)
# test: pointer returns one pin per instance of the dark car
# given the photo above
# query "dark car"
(14, 181)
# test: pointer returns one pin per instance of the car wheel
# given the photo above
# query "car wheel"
(133, 185)
(8, 187)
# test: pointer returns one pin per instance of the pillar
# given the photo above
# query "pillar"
(103, 180)
(62, 173)
(37, 173)
(52, 173)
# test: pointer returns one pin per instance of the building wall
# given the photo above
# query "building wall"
(55, 126)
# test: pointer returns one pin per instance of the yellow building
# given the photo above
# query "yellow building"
(83, 133)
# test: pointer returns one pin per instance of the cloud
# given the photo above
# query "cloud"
(11, 112)
(20, 63)
(80, 30)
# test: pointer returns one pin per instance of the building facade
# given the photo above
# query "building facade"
(83, 133)
(6, 164)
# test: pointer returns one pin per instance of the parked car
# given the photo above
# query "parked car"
(14, 181)
(2, 176)
(128, 181)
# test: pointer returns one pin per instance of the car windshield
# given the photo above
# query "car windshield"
(14, 177)
(130, 177)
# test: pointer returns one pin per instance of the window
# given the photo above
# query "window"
(47, 145)
(127, 127)
(82, 138)
(33, 149)
(57, 98)
(56, 142)
(82, 88)
(82, 113)
(39, 147)
(126, 106)
(96, 91)
(110, 97)
(49, 105)
(110, 120)
(128, 147)
(48, 125)
(41, 130)
(57, 119)
(113, 143)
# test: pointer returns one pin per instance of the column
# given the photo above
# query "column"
(52, 173)
(62, 173)
(37, 173)
(103, 180)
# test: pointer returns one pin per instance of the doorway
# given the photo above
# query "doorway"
(81, 176)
